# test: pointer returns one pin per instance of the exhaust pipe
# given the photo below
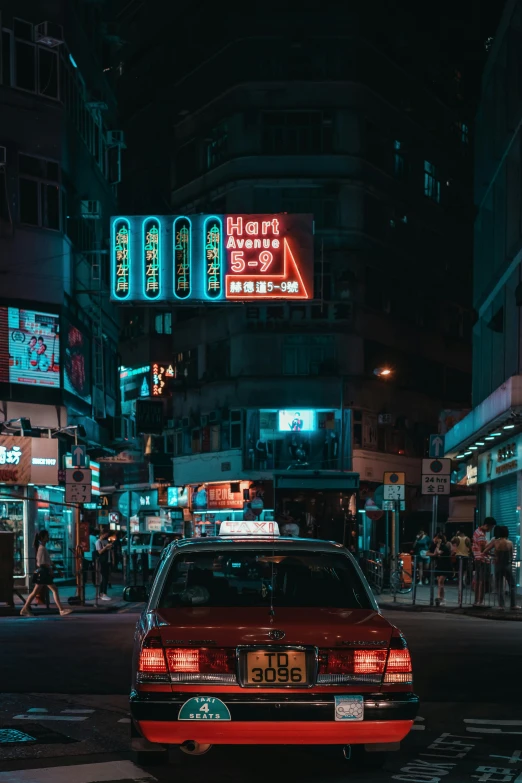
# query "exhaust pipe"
(193, 748)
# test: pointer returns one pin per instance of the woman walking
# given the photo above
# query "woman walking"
(43, 576)
(503, 564)
(440, 552)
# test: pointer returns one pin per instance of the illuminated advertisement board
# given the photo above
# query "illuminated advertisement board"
(297, 421)
(29, 347)
(77, 362)
(212, 258)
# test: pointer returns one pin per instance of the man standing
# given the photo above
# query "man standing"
(103, 548)
(482, 559)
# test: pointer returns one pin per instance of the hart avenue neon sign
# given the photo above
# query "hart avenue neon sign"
(212, 258)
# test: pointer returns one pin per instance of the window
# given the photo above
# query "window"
(257, 578)
(217, 147)
(48, 73)
(25, 66)
(235, 429)
(431, 182)
(163, 323)
(40, 193)
(5, 53)
(399, 167)
(308, 355)
(296, 132)
(462, 131)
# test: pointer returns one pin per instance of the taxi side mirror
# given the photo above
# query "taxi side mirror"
(135, 594)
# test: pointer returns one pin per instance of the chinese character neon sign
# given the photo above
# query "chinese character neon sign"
(213, 257)
(159, 373)
(10, 456)
(151, 258)
(121, 258)
(182, 257)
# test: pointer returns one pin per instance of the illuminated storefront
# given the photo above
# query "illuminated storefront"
(210, 504)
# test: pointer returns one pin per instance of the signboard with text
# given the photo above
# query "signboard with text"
(29, 348)
(211, 258)
(436, 476)
(28, 460)
(500, 461)
(220, 496)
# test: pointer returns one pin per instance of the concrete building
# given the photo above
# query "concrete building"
(330, 116)
(487, 444)
(59, 172)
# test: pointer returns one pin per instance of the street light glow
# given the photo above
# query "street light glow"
(382, 371)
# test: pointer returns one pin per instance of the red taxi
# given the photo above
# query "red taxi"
(260, 639)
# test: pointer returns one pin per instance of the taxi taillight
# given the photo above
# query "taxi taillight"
(152, 658)
(352, 661)
(398, 667)
(203, 660)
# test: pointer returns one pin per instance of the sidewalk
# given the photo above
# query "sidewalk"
(491, 611)
(69, 591)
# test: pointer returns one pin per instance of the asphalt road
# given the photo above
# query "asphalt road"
(465, 673)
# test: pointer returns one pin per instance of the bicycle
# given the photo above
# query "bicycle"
(401, 581)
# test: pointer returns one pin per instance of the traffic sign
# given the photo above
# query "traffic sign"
(78, 485)
(394, 477)
(391, 505)
(394, 492)
(79, 456)
(436, 446)
(436, 476)
(373, 511)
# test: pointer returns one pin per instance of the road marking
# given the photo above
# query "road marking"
(419, 718)
(77, 712)
(124, 720)
(37, 709)
(417, 728)
(489, 722)
(108, 771)
(477, 730)
(50, 717)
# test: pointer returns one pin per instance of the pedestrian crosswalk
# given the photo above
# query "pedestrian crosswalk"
(105, 772)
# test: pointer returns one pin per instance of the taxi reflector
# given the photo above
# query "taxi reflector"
(152, 661)
(247, 528)
(200, 661)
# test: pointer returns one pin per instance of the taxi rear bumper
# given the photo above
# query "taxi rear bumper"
(260, 719)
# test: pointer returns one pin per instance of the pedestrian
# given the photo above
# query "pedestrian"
(88, 562)
(462, 552)
(103, 548)
(481, 559)
(440, 554)
(421, 546)
(503, 549)
(43, 576)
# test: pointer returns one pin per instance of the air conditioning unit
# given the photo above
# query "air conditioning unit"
(116, 138)
(3, 157)
(49, 34)
(91, 210)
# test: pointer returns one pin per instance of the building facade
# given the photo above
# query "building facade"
(60, 154)
(486, 443)
(339, 126)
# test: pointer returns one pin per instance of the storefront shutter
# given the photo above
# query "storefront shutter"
(504, 507)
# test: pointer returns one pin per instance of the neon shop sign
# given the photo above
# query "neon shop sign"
(159, 373)
(212, 258)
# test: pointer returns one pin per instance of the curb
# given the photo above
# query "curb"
(8, 612)
(483, 614)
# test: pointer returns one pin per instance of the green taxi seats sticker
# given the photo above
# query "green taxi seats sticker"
(204, 708)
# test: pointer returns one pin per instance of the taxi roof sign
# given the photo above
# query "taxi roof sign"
(249, 528)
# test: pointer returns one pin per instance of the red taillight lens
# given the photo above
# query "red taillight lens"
(202, 661)
(352, 661)
(369, 661)
(152, 661)
(398, 668)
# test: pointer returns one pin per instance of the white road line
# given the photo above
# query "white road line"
(37, 709)
(417, 728)
(77, 712)
(488, 722)
(476, 730)
(49, 717)
(81, 773)
(124, 720)
(419, 718)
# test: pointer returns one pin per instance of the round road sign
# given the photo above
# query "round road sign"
(436, 466)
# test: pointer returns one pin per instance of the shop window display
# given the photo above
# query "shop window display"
(12, 521)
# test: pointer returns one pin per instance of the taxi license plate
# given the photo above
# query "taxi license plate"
(276, 668)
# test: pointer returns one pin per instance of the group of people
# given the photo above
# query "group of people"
(442, 556)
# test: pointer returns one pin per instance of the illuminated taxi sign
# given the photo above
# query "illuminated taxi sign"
(243, 528)
(212, 258)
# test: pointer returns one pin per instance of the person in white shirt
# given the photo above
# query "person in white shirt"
(103, 548)
(43, 576)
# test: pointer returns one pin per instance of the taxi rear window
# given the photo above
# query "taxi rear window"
(249, 578)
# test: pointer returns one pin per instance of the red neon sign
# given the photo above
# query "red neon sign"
(269, 257)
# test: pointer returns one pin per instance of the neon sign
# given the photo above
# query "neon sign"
(182, 257)
(151, 258)
(159, 373)
(212, 258)
(121, 259)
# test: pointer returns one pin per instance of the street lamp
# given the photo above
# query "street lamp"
(383, 372)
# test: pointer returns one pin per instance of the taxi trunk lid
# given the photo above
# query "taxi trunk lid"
(228, 627)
